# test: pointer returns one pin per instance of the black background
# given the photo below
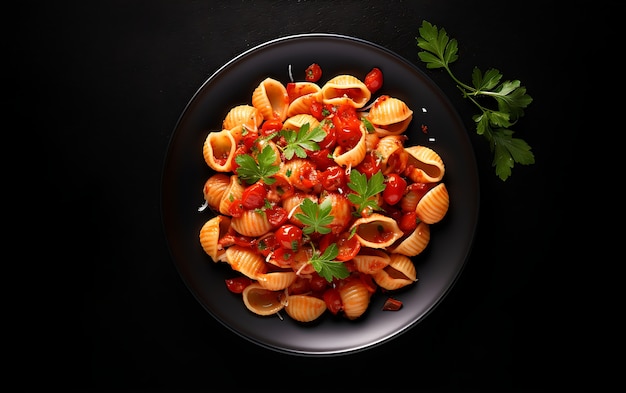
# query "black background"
(110, 310)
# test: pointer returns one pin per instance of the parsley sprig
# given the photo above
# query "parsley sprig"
(365, 190)
(316, 217)
(326, 266)
(439, 52)
(251, 170)
(305, 138)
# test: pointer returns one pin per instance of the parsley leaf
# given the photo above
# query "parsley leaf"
(326, 266)
(251, 170)
(510, 96)
(304, 138)
(316, 217)
(365, 190)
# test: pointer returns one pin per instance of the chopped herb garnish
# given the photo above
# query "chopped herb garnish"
(326, 266)
(315, 217)
(304, 138)
(251, 170)
(365, 190)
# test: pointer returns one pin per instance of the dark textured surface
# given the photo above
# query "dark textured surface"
(116, 76)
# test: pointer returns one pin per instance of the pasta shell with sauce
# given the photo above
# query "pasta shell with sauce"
(295, 122)
(243, 115)
(245, 261)
(434, 204)
(271, 99)
(345, 90)
(428, 166)
(219, 149)
(233, 192)
(352, 157)
(376, 231)
(210, 234)
(262, 301)
(393, 157)
(251, 223)
(398, 274)
(370, 260)
(389, 115)
(214, 189)
(276, 281)
(415, 242)
(355, 298)
(304, 308)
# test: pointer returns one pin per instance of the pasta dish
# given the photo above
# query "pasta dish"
(318, 202)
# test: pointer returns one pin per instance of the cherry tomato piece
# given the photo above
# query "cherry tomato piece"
(237, 284)
(369, 166)
(289, 236)
(267, 244)
(284, 257)
(373, 80)
(347, 126)
(236, 208)
(333, 178)
(276, 215)
(254, 196)
(313, 73)
(395, 186)
(320, 158)
(270, 126)
(330, 139)
(408, 222)
(333, 300)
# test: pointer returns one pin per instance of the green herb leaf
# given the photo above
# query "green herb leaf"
(316, 217)
(439, 51)
(365, 190)
(326, 266)
(304, 138)
(251, 170)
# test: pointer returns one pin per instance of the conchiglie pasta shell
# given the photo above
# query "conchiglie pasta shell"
(370, 260)
(354, 156)
(218, 150)
(434, 204)
(251, 223)
(428, 165)
(301, 89)
(334, 92)
(391, 149)
(399, 273)
(295, 122)
(303, 103)
(388, 110)
(415, 242)
(305, 308)
(355, 298)
(276, 281)
(234, 191)
(376, 231)
(243, 115)
(214, 189)
(271, 99)
(210, 235)
(246, 261)
(262, 301)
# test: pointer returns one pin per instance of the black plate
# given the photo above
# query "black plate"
(185, 172)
